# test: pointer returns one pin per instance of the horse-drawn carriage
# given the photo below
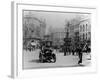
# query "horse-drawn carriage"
(30, 44)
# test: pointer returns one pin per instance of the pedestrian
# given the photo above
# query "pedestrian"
(80, 54)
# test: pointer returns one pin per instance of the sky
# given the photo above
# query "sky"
(56, 20)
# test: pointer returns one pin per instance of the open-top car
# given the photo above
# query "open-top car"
(46, 54)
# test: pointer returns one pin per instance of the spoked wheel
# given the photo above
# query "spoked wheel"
(53, 58)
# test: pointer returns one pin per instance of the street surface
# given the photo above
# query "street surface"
(31, 60)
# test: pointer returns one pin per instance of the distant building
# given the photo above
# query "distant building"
(58, 38)
(33, 27)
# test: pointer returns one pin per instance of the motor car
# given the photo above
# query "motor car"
(46, 53)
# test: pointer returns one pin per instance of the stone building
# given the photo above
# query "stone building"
(85, 29)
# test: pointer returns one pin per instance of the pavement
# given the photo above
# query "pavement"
(31, 60)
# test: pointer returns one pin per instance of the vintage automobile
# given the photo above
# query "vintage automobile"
(46, 54)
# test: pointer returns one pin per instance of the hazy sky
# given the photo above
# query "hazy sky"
(54, 19)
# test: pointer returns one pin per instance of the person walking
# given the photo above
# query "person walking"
(80, 54)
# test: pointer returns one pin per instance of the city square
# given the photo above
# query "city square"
(68, 34)
(32, 61)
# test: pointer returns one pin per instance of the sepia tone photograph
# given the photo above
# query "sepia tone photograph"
(56, 39)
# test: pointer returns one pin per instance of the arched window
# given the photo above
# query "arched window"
(83, 36)
(83, 27)
(86, 24)
(86, 36)
(86, 27)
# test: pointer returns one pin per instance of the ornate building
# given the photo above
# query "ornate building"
(33, 27)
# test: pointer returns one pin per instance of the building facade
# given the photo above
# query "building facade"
(79, 32)
(85, 29)
(82, 27)
(33, 27)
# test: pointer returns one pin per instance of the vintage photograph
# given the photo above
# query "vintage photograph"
(56, 39)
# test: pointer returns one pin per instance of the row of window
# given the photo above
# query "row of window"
(86, 35)
(84, 27)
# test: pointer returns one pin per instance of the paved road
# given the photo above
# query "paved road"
(31, 60)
